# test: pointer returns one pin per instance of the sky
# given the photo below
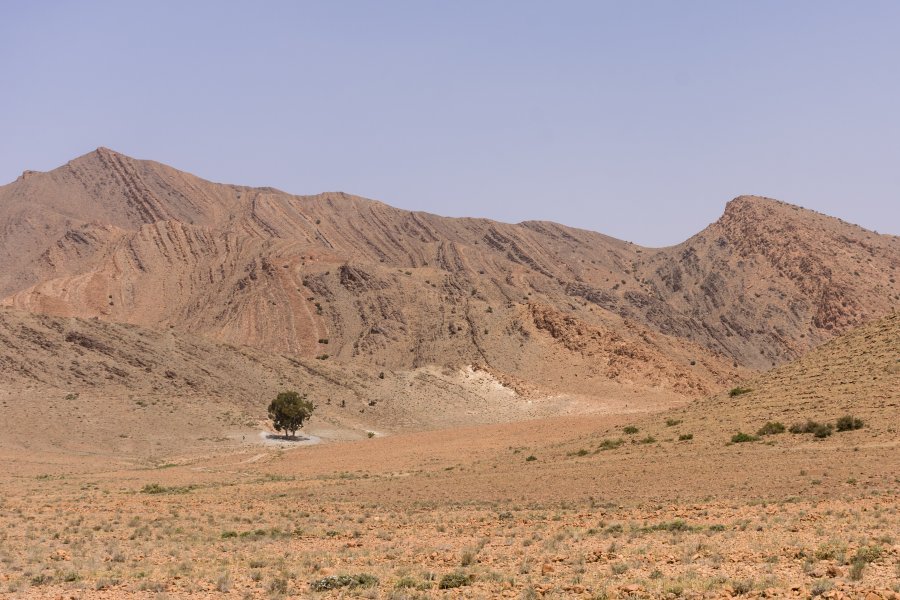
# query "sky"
(636, 119)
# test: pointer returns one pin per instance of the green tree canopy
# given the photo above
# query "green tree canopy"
(289, 410)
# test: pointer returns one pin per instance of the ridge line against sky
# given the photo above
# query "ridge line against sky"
(637, 120)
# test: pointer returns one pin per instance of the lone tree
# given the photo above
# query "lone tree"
(289, 410)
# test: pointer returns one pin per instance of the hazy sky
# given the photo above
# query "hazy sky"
(638, 119)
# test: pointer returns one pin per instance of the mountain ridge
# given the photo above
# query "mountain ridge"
(140, 242)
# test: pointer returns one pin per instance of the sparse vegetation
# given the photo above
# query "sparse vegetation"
(334, 582)
(848, 423)
(738, 391)
(454, 580)
(610, 444)
(771, 428)
(155, 488)
(820, 430)
(740, 438)
(630, 429)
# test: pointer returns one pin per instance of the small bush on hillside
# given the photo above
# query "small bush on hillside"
(848, 423)
(771, 428)
(823, 431)
(856, 570)
(530, 457)
(868, 554)
(334, 582)
(809, 427)
(611, 444)
(676, 525)
(673, 422)
(454, 580)
(742, 587)
(738, 391)
(405, 583)
(741, 437)
(685, 437)
(630, 429)
(155, 488)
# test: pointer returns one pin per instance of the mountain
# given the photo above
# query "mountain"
(539, 305)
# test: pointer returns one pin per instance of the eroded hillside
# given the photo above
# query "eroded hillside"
(137, 242)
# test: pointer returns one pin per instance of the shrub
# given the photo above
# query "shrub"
(334, 582)
(868, 554)
(467, 558)
(823, 431)
(630, 429)
(741, 437)
(856, 570)
(771, 428)
(848, 423)
(648, 440)
(685, 437)
(810, 427)
(405, 583)
(454, 580)
(820, 587)
(676, 525)
(673, 422)
(530, 457)
(611, 444)
(738, 391)
(153, 488)
(278, 585)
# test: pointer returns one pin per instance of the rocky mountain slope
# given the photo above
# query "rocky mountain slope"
(76, 385)
(855, 374)
(338, 277)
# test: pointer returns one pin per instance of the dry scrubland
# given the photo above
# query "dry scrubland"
(642, 520)
(559, 507)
